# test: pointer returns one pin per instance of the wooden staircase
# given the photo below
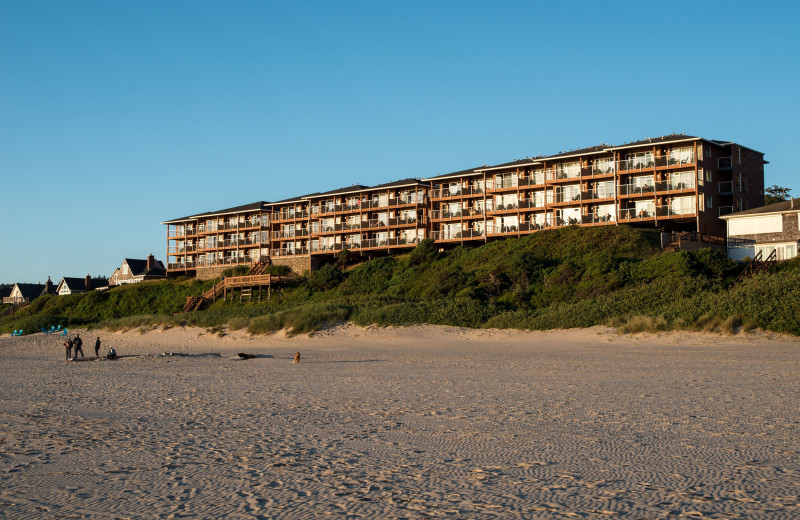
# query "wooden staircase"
(245, 285)
(14, 308)
(260, 266)
(758, 264)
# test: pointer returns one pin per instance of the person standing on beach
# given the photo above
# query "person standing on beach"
(77, 345)
(97, 347)
(68, 348)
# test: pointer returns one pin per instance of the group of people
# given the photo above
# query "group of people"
(75, 345)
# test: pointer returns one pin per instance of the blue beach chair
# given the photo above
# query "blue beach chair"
(64, 332)
(52, 328)
(58, 329)
(14, 332)
(45, 331)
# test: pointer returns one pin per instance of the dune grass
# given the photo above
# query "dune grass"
(563, 278)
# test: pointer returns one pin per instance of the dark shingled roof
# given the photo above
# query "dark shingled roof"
(778, 207)
(454, 174)
(80, 283)
(582, 151)
(295, 199)
(139, 268)
(395, 184)
(361, 188)
(5, 292)
(253, 206)
(31, 290)
(659, 140)
(348, 189)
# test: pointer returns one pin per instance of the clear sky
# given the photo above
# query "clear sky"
(118, 115)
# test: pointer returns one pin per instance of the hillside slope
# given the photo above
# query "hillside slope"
(570, 277)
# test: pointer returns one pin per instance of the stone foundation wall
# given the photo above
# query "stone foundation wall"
(298, 264)
(209, 273)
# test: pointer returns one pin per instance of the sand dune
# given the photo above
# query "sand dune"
(402, 423)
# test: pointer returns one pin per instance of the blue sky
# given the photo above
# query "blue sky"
(116, 116)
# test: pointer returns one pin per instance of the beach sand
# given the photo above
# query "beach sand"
(413, 422)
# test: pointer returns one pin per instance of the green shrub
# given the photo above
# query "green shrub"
(326, 278)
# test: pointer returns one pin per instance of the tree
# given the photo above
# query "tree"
(775, 194)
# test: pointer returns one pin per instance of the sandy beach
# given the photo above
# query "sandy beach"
(411, 422)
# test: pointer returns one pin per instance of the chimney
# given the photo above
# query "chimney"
(88, 283)
(151, 261)
(48, 286)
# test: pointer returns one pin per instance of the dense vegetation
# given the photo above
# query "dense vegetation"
(570, 277)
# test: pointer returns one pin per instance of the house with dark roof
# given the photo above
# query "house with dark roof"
(135, 270)
(767, 230)
(70, 285)
(26, 292)
(5, 292)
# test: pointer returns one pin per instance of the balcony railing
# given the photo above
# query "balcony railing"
(599, 219)
(632, 189)
(505, 207)
(501, 184)
(531, 203)
(567, 173)
(277, 235)
(405, 201)
(674, 185)
(443, 214)
(289, 252)
(673, 211)
(634, 214)
(228, 260)
(534, 180)
(725, 163)
(288, 215)
(444, 193)
(567, 196)
(408, 221)
(176, 266)
(725, 210)
(726, 188)
(675, 160)
(603, 168)
(176, 250)
(638, 163)
(597, 194)
(179, 233)
(457, 235)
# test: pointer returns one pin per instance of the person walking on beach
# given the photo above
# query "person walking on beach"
(68, 348)
(97, 347)
(296, 357)
(77, 344)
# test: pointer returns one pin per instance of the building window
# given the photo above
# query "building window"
(700, 200)
(124, 268)
(709, 203)
(708, 175)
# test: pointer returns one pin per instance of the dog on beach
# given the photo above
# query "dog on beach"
(296, 357)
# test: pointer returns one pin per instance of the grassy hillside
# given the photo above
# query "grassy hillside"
(563, 278)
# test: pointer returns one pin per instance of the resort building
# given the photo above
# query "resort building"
(216, 240)
(672, 183)
(675, 183)
(767, 231)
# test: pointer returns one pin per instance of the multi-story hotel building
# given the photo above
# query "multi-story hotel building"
(672, 183)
